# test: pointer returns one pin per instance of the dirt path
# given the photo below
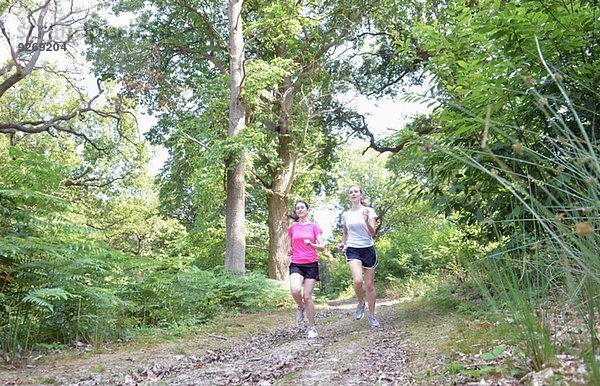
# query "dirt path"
(270, 349)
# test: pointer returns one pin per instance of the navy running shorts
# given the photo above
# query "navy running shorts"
(366, 255)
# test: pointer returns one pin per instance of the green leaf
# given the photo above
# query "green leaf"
(494, 354)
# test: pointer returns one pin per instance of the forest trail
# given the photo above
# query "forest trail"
(271, 349)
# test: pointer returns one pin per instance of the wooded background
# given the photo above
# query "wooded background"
(496, 188)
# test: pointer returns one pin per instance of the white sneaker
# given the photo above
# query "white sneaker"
(373, 322)
(360, 311)
(299, 314)
(312, 332)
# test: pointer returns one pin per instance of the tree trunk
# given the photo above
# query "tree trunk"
(278, 198)
(278, 236)
(235, 251)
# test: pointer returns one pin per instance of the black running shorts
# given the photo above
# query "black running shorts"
(307, 271)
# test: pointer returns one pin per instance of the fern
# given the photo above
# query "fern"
(43, 297)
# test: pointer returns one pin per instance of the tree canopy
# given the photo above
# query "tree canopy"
(497, 184)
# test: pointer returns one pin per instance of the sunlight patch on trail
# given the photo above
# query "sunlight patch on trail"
(351, 303)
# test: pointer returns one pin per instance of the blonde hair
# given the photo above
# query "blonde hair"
(363, 200)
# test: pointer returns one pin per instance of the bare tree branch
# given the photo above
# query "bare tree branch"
(59, 122)
(96, 182)
(363, 129)
(43, 22)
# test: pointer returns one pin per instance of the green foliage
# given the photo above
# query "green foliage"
(547, 238)
(456, 368)
(521, 288)
(62, 284)
(56, 272)
(104, 154)
(251, 292)
(489, 73)
(131, 222)
(173, 292)
(46, 261)
(335, 275)
(164, 294)
(4, 6)
(510, 152)
(412, 239)
(292, 69)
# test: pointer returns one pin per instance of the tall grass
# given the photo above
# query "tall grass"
(548, 259)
